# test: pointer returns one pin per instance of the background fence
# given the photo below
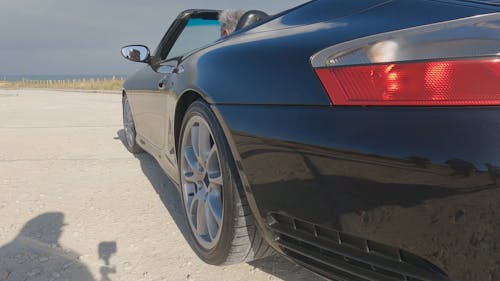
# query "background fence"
(84, 84)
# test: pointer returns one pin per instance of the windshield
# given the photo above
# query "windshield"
(196, 34)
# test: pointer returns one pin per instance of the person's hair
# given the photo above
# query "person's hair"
(229, 19)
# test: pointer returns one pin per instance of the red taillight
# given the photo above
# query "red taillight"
(456, 62)
(437, 83)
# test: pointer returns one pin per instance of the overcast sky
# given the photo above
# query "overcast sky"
(44, 37)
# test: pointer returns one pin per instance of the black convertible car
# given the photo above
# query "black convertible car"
(360, 139)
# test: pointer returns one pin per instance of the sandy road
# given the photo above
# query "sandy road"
(75, 205)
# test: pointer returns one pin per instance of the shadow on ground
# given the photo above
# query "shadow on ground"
(36, 254)
(275, 265)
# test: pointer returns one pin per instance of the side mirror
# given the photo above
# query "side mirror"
(137, 53)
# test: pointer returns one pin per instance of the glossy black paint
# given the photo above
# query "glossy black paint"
(424, 180)
(421, 179)
(284, 72)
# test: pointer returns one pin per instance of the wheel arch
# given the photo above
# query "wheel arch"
(183, 103)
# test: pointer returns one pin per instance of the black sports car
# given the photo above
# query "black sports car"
(361, 139)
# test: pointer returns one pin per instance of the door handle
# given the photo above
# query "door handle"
(166, 69)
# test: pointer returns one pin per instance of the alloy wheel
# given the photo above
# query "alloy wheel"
(128, 124)
(201, 180)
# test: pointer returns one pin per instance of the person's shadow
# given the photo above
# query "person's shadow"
(168, 193)
(35, 254)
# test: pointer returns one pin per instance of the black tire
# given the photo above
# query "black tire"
(130, 144)
(240, 240)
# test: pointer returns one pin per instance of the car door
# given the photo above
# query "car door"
(201, 29)
(152, 96)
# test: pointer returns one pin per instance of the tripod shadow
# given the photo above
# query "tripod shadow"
(105, 251)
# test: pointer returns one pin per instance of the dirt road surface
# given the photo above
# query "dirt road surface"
(75, 205)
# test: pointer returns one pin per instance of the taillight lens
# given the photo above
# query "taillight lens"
(437, 83)
(442, 64)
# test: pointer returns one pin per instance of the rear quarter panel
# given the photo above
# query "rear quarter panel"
(391, 175)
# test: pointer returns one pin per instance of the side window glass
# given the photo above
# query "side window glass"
(196, 34)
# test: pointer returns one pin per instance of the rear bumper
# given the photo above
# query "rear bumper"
(414, 181)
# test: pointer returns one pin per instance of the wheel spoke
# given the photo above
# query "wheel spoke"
(195, 140)
(212, 225)
(214, 175)
(129, 113)
(190, 193)
(203, 144)
(215, 178)
(129, 128)
(189, 205)
(212, 156)
(193, 175)
(201, 219)
(214, 203)
(192, 203)
(129, 133)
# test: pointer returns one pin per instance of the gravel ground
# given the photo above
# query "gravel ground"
(75, 205)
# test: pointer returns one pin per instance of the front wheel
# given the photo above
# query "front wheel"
(129, 128)
(222, 227)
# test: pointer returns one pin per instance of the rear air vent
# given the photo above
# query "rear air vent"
(341, 256)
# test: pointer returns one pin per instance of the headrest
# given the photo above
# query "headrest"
(250, 17)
